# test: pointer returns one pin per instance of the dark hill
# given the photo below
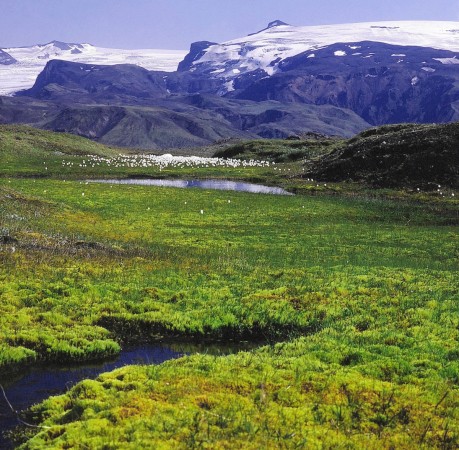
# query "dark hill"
(197, 50)
(143, 127)
(404, 155)
(88, 83)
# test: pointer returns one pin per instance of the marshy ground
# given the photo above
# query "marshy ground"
(354, 291)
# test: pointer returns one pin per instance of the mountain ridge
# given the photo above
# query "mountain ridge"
(337, 89)
(261, 50)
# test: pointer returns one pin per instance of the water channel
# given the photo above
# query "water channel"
(38, 383)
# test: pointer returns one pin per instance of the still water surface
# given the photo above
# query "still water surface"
(222, 185)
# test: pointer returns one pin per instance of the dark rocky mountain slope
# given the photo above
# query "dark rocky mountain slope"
(382, 83)
(142, 127)
(6, 59)
(72, 82)
(182, 121)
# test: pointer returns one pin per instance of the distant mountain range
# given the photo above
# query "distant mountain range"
(25, 63)
(279, 82)
(385, 72)
(266, 51)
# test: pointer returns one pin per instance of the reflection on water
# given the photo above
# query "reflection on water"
(222, 185)
(24, 390)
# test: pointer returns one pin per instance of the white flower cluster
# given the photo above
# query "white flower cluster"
(164, 161)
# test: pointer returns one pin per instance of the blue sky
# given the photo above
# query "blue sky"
(174, 24)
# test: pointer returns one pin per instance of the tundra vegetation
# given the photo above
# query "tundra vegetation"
(352, 293)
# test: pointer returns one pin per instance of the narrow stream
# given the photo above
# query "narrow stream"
(39, 383)
(222, 185)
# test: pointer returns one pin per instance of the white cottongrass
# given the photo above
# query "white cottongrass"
(164, 161)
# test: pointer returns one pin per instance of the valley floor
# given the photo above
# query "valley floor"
(355, 297)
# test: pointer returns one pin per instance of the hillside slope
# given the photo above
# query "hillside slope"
(19, 141)
(407, 155)
(147, 128)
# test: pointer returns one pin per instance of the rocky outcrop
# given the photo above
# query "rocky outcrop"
(197, 50)
(6, 59)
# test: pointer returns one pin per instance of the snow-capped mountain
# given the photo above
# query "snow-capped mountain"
(278, 82)
(265, 50)
(27, 62)
(53, 49)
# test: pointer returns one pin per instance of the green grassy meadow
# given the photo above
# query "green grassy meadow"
(354, 299)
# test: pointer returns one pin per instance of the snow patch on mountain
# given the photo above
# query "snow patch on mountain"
(453, 60)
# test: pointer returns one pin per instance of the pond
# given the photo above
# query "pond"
(223, 185)
(39, 383)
